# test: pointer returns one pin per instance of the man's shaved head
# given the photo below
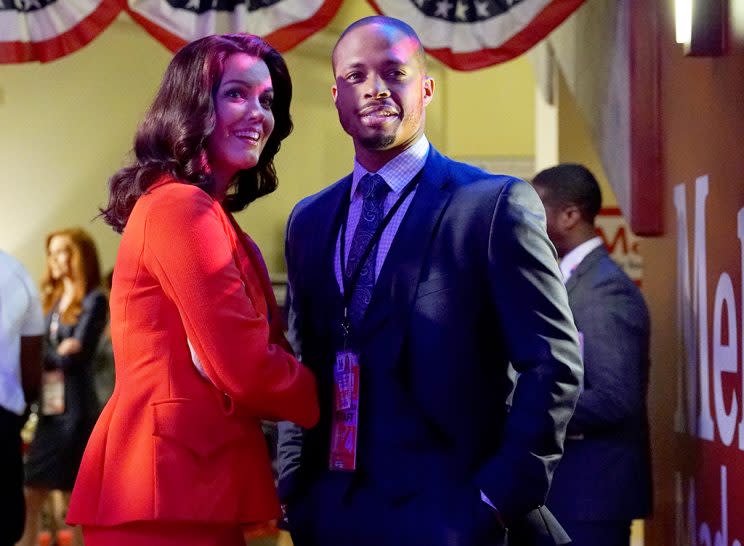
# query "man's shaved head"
(384, 21)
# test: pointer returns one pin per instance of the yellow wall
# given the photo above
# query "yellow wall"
(64, 128)
(490, 111)
(68, 125)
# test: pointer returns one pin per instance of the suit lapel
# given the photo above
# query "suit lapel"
(257, 265)
(396, 285)
(328, 221)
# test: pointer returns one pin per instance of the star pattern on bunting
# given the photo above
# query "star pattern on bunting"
(472, 34)
(466, 11)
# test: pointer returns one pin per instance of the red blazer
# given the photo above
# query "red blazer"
(170, 444)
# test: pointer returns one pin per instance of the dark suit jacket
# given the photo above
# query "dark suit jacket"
(55, 452)
(80, 399)
(470, 284)
(605, 473)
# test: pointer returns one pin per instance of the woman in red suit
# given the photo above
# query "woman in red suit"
(178, 456)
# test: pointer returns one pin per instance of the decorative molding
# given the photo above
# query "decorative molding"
(519, 166)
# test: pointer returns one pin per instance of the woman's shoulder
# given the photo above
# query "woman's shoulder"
(171, 189)
(171, 200)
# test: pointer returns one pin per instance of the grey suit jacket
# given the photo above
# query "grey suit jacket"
(469, 285)
(605, 472)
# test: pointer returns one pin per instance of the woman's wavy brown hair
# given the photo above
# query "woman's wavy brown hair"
(85, 272)
(173, 135)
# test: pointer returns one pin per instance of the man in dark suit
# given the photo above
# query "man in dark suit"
(604, 480)
(413, 283)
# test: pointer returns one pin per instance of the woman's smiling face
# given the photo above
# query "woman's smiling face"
(243, 117)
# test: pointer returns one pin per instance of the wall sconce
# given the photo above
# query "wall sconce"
(683, 21)
(701, 26)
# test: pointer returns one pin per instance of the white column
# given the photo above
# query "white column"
(546, 107)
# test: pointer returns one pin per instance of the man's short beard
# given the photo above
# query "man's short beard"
(377, 142)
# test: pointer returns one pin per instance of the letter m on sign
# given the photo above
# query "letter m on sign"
(692, 377)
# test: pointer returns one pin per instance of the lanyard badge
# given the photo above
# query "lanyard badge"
(345, 422)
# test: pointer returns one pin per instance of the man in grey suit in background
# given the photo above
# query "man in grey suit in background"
(604, 479)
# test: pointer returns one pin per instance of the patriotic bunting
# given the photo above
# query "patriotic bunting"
(464, 34)
(44, 30)
(283, 23)
(472, 34)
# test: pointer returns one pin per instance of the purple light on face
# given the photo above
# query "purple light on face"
(404, 48)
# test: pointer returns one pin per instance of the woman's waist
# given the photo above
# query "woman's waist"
(177, 459)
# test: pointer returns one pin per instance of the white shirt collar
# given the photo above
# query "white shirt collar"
(572, 260)
(400, 170)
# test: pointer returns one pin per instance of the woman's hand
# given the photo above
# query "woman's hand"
(69, 346)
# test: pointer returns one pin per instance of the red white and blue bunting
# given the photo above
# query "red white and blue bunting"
(283, 23)
(464, 34)
(472, 34)
(44, 30)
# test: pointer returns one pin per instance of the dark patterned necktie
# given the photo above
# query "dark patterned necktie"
(374, 190)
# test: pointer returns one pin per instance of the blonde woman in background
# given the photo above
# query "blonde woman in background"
(76, 310)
